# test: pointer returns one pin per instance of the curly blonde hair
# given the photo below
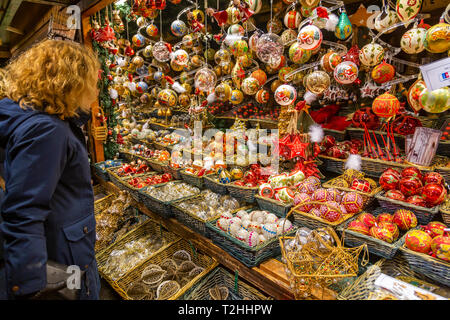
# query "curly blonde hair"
(53, 76)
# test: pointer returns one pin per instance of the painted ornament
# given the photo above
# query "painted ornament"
(147, 52)
(330, 61)
(386, 105)
(306, 11)
(413, 41)
(387, 21)
(178, 28)
(371, 54)
(407, 9)
(298, 55)
(161, 51)
(437, 38)
(167, 97)
(205, 79)
(222, 57)
(180, 57)
(435, 101)
(383, 72)
(346, 72)
(283, 73)
(414, 93)
(236, 96)
(152, 30)
(223, 92)
(233, 15)
(285, 94)
(274, 26)
(260, 75)
(288, 37)
(419, 241)
(138, 40)
(262, 96)
(239, 48)
(250, 86)
(344, 27)
(310, 37)
(292, 19)
(317, 82)
(254, 5)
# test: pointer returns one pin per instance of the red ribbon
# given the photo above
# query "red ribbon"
(322, 12)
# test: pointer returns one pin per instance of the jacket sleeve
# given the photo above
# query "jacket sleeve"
(36, 160)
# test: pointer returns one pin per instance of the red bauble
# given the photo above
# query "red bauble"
(434, 193)
(395, 195)
(385, 217)
(365, 117)
(303, 198)
(410, 185)
(353, 202)
(435, 228)
(328, 141)
(412, 172)
(358, 226)
(333, 195)
(390, 179)
(405, 219)
(382, 234)
(320, 195)
(367, 219)
(330, 213)
(433, 177)
(417, 200)
(361, 185)
(337, 152)
(392, 227)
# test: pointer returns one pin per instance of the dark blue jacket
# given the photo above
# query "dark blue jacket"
(48, 206)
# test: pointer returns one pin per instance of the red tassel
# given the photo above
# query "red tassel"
(169, 46)
(169, 79)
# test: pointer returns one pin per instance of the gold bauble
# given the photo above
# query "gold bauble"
(317, 82)
(275, 84)
(218, 70)
(188, 87)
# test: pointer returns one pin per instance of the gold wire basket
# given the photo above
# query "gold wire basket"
(318, 264)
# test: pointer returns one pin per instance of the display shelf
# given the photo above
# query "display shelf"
(269, 276)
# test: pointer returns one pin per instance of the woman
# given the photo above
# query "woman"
(48, 205)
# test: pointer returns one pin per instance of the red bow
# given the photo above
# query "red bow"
(197, 26)
(322, 12)
(221, 17)
(246, 11)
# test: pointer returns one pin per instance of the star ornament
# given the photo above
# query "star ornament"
(297, 148)
(360, 17)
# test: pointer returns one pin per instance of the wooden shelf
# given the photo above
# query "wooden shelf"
(268, 277)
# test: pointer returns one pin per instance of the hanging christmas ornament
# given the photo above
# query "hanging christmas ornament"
(260, 75)
(222, 57)
(346, 72)
(274, 26)
(414, 93)
(254, 5)
(344, 27)
(239, 48)
(269, 48)
(317, 82)
(250, 86)
(352, 55)
(306, 11)
(184, 99)
(233, 15)
(320, 17)
(435, 101)
(384, 21)
(262, 96)
(288, 36)
(151, 30)
(330, 61)
(299, 55)
(253, 41)
(386, 105)
(285, 95)
(167, 98)
(236, 97)
(437, 38)
(161, 51)
(188, 41)
(137, 61)
(180, 57)
(292, 19)
(283, 72)
(237, 75)
(309, 37)
(236, 29)
(147, 52)
(142, 87)
(141, 22)
(223, 92)
(178, 28)
(138, 40)
(371, 54)
(158, 75)
(205, 79)
(383, 72)
(412, 41)
(407, 9)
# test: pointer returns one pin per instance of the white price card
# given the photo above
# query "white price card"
(436, 74)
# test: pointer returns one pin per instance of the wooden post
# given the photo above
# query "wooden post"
(95, 147)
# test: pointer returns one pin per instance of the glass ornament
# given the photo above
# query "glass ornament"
(285, 94)
(205, 79)
(269, 48)
(161, 51)
(317, 82)
(310, 37)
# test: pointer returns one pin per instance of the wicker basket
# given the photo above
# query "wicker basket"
(368, 197)
(376, 246)
(122, 183)
(358, 133)
(337, 134)
(442, 168)
(148, 227)
(103, 173)
(99, 192)
(433, 268)
(198, 258)
(250, 256)
(397, 267)
(444, 208)
(211, 183)
(424, 215)
(220, 277)
(103, 203)
(277, 207)
(246, 194)
(191, 220)
(127, 156)
(192, 179)
(175, 172)
(158, 166)
(371, 167)
(162, 208)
